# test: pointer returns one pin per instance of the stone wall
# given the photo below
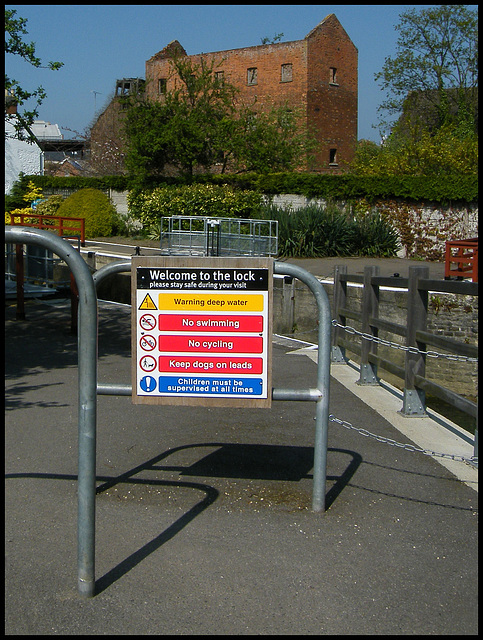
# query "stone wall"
(432, 216)
(433, 223)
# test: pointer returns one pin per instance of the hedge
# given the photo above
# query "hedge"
(463, 188)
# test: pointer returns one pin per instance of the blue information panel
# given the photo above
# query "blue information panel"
(201, 386)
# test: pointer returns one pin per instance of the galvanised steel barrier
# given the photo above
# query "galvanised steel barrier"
(87, 404)
(319, 395)
(89, 389)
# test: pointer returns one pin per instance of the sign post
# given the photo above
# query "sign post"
(202, 331)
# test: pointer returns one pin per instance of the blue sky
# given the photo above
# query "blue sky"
(99, 44)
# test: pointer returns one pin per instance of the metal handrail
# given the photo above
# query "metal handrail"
(319, 395)
(87, 403)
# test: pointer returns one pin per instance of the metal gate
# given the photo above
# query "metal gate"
(206, 236)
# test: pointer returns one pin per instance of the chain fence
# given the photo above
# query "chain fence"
(473, 460)
(394, 345)
(412, 349)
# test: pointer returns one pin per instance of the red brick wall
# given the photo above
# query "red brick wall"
(268, 60)
(331, 110)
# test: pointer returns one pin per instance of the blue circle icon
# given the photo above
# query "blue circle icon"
(148, 384)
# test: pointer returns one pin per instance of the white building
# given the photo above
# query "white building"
(45, 131)
(20, 155)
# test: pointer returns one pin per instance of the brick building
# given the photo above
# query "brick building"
(317, 74)
(106, 136)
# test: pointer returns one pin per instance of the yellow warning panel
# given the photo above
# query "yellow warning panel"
(147, 303)
(210, 302)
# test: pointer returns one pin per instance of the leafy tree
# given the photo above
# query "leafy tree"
(445, 152)
(436, 66)
(182, 131)
(14, 44)
(199, 126)
(264, 141)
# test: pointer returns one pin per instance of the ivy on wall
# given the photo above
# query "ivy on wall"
(439, 189)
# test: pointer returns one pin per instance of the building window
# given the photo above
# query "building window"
(252, 76)
(162, 86)
(333, 156)
(220, 77)
(286, 73)
(333, 75)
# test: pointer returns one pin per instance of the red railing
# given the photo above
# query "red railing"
(51, 223)
(63, 226)
(463, 253)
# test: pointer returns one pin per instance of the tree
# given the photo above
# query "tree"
(183, 130)
(265, 141)
(199, 127)
(436, 65)
(444, 153)
(14, 45)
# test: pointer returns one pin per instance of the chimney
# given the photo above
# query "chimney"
(10, 103)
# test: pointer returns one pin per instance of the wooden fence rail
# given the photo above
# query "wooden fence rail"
(64, 227)
(415, 332)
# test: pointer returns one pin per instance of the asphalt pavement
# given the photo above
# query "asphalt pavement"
(203, 517)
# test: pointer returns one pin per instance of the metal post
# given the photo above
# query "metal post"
(414, 399)
(323, 378)
(87, 364)
(19, 274)
(370, 304)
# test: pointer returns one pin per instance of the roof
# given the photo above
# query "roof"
(45, 130)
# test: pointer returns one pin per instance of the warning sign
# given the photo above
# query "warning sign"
(207, 337)
(147, 304)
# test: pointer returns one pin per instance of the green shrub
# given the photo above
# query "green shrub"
(92, 205)
(318, 231)
(50, 206)
(374, 236)
(442, 189)
(217, 201)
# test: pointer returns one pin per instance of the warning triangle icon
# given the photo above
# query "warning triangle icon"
(147, 303)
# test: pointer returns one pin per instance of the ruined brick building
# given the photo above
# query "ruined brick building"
(317, 74)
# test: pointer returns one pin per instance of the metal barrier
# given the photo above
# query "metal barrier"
(89, 389)
(38, 266)
(320, 394)
(60, 224)
(87, 405)
(208, 236)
